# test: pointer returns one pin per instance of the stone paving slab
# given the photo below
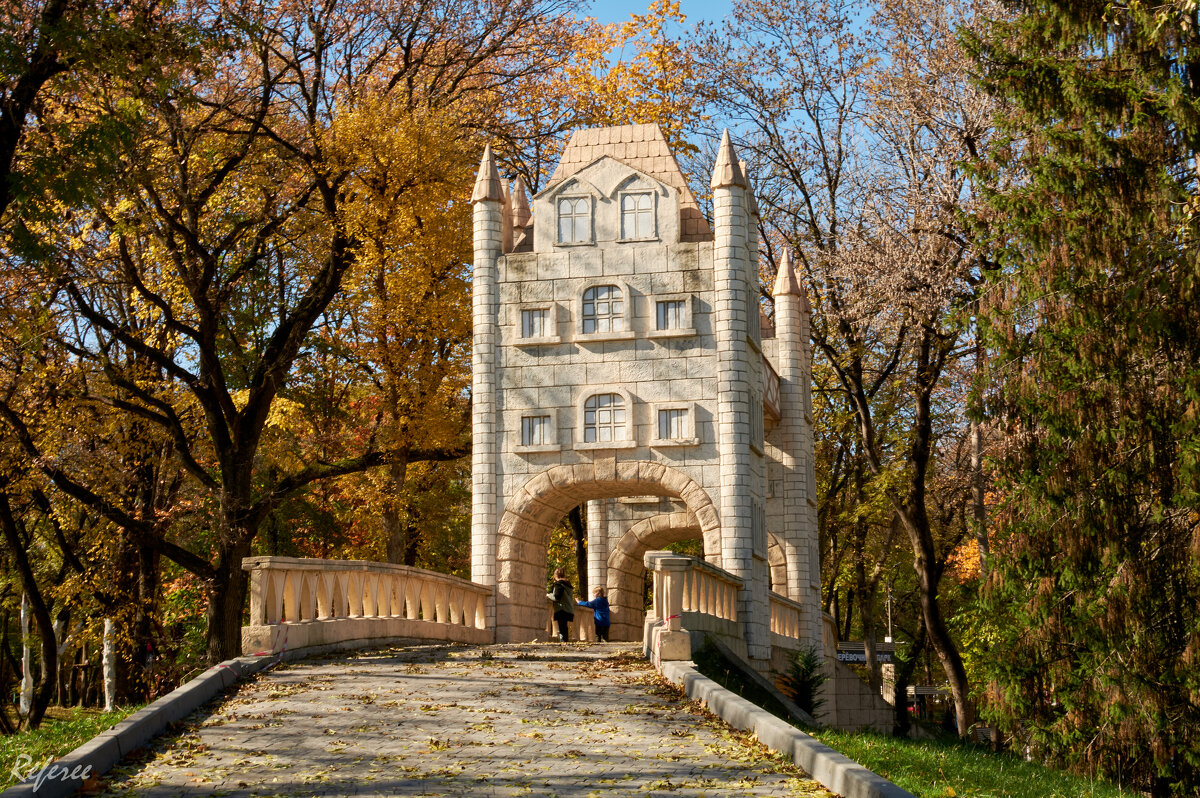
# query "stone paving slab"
(444, 720)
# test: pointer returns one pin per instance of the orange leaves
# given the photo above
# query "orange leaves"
(636, 73)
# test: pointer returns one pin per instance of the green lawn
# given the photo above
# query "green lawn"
(63, 731)
(933, 769)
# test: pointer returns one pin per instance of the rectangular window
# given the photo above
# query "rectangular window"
(574, 220)
(672, 424)
(535, 323)
(535, 430)
(637, 216)
(670, 314)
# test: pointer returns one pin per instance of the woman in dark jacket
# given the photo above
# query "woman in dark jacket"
(563, 596)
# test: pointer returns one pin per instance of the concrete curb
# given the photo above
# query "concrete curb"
(108, 748)
(837, 773)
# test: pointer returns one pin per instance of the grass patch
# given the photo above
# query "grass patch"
(63, 730)
(937, 769)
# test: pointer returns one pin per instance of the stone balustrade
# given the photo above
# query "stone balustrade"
(300, 604)
(690, 596)
(785, 621)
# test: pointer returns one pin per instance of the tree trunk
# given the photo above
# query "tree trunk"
(939, 634)
(144, 619)
(904, 672)
(579, 534)
(916, 520)
(41, 615)
(394, 526)
(226, 598)
(109, 663)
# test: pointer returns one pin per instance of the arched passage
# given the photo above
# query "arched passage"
(547, 497)
(627, 569)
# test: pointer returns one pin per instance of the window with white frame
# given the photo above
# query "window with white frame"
(637, 215)
(603, 309)
(535, 430)
(604, 418)
(535, 323)
(574, 220)
(673, 424)
(670, 314)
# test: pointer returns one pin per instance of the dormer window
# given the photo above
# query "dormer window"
(574, 220)
(637, 216)
(603, 310)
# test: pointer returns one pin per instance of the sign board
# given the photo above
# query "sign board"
(856, 653)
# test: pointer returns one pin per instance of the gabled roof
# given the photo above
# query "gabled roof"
(644, 148)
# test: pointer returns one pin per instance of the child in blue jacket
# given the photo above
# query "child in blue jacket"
(599, 607)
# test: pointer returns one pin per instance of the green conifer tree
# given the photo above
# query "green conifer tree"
(1095, 383)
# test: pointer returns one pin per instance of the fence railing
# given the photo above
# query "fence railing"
(786, 616)
(355, 599)
(582, 628)
(692, 594)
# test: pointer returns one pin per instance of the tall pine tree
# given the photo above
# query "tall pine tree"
(1095, 328)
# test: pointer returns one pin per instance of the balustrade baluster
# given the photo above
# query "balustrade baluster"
(428, 613)
(275, 585)
(442, 605)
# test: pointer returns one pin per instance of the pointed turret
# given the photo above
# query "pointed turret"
(488, 216)
(506, 224)
(752, 207)
(726, 171)
(487, 181)
(520, 204)
(785, 282)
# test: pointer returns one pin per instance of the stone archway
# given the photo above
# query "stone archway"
(627, 570)
(547, 497)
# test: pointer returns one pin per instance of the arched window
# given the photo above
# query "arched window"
(604, 418)
(637, 216)
(574, 220)
(603, 309)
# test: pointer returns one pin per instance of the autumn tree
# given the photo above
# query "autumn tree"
(1096, 386)
(859, 161)
(408, 299)
(230, 230)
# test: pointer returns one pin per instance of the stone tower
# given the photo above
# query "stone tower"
(620, 361)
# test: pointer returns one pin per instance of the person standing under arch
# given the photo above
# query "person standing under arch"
(599, 607)
(562, 594)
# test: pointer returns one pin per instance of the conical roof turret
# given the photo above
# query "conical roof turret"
(520, 203)
(487, 181)
(786, 283)
(753, 207)
(726, 171)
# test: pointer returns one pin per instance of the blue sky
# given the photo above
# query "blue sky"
(696, 10)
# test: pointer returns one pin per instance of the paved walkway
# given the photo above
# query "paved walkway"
(538, 720)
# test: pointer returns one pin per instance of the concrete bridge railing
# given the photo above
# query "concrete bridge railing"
(786, 617)
(690, 596)
(300, 603)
